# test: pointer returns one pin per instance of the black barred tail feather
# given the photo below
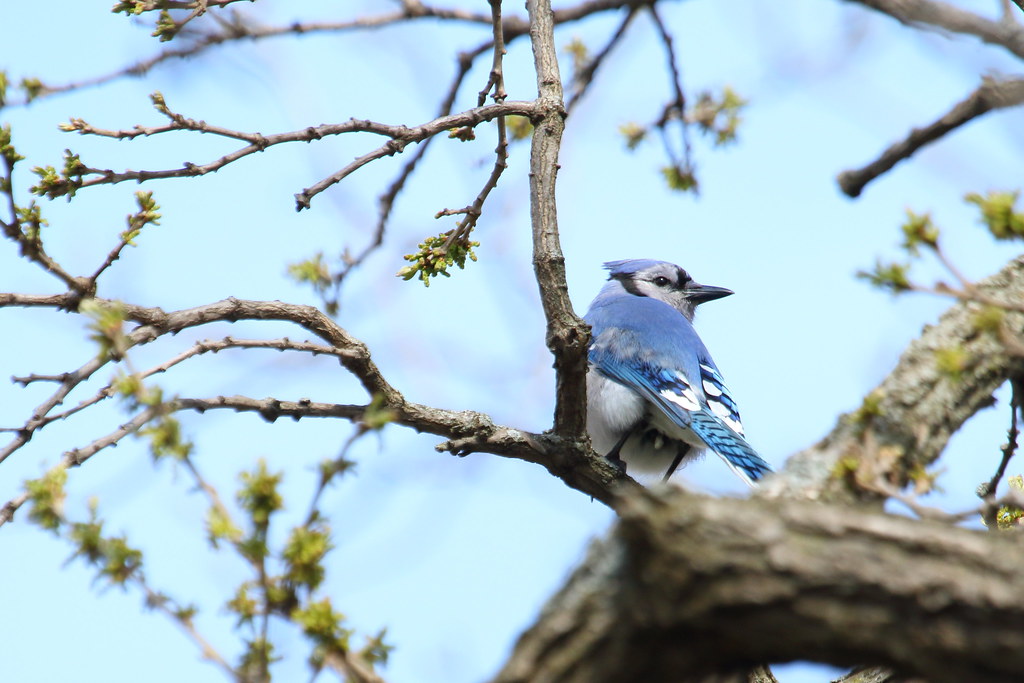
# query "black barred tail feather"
(733, 449)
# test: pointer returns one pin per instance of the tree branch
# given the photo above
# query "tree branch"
(945, 17)
(582, 80)
(918, 407)
(399, 137)
(466, 431)
(992, 94)
(567, 335)
(386, 201)
(676, 108)
(687, 586)
(238, 30)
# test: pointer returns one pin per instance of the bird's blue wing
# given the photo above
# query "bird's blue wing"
(717, 395)
(709, 413)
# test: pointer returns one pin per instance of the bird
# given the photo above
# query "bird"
(655, 398)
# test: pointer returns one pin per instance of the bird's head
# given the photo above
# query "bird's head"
(665, 282)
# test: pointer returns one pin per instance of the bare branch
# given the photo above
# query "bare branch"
(471, 118)
(200, 347)
(945, 17)
(991, 95)
(77, 456)
(581, 81)
(40, 416)
(155, 323)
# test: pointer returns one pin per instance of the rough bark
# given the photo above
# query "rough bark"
(567, 335)
(919, 405)
(687, 587)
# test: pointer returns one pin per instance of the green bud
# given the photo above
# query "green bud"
(46, 497)
(891, 276)
(919, 230)
(259, 495)
(998, 213)
(679, 179)
(634, 134)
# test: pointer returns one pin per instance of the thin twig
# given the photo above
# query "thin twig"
(349, 666)
(112, 256)
(386, 201)
(200, 347)
(158, 602)
(988, 490)
(676, 109)
(399, 135)
(496, 80)
(30, 242)
(39, 416)
(585, 77)
(326, 477)
(238, 32)
(513, 26)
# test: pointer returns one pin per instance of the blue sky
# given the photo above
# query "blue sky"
(455, 556)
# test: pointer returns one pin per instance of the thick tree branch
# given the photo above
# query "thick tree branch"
(687, 586)
(918, 407)
(945, 17)
(567, 335)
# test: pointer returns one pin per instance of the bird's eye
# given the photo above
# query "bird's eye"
(661, 281)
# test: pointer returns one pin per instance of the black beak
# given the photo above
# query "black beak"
(699, 294)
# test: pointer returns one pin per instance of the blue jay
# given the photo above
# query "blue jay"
(654, 396)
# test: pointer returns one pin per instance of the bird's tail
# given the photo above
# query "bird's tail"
(733, 449)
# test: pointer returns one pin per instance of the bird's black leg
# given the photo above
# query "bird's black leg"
(613, 454)
(681, 452)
